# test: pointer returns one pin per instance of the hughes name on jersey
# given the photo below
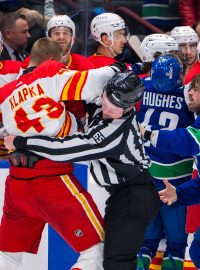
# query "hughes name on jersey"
(165, 111)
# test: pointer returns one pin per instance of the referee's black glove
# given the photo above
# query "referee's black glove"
(119, 67)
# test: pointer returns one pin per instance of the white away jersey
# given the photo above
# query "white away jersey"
(32, 104)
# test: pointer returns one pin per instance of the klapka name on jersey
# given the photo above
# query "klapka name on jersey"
(162, 100)
(24, 93)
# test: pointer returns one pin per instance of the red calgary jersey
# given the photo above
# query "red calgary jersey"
(192, 72)
(32, 104)
(80, 63)
(9, 70)
(100, 60)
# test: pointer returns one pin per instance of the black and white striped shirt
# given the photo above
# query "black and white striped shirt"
(113, 146)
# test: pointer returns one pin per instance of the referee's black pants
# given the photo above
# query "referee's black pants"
(128, 212)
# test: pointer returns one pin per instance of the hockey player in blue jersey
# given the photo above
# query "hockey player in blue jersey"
(184, 141)
(164, 106)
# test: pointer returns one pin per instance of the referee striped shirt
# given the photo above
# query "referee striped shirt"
(114, 148)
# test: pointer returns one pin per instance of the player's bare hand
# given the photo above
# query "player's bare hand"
(168, 195)
(142, 130)
(8, 142)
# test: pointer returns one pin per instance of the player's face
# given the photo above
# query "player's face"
(190, 50)
(194, 99)
(63, 36)
(110, 111)
(119, 40)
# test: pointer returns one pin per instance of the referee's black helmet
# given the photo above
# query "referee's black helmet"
(124, 89)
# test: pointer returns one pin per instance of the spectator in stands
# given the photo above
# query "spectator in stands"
(37, 14)
(163, 14)
(189, 11)
(15, 32)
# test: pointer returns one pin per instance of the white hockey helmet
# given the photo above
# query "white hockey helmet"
(156, 43)
(184, 34)
(198, 51)
(61, 21)
(106, 23)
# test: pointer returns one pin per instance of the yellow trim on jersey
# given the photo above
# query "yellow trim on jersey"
(70, 61)
(80, 85)
(188, 264)
(159, 254)
(66, 88)
(65, 130)
(155, 267)
(83, 201)
(1, 65)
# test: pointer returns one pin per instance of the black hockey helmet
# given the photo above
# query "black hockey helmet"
(124, 89)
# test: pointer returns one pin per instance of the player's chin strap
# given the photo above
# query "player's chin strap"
(29, 69)
(10, 260)
(114, 54)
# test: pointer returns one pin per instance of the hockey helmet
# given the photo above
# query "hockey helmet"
(61, 21)
(184, 34)
(124, 89)
(165, 73)
(106, 23)
(156, 43)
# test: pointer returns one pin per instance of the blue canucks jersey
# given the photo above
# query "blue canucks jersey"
(165, 111)
(185, 141)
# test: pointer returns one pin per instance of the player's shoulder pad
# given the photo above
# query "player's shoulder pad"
(49, 68)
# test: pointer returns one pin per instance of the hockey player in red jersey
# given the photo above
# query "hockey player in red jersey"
(109, 30)
(195, 69)
(187, 41)
(39, 190)
(61, 29)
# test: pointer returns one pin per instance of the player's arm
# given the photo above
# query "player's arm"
(183, 141)
(188, 192)
(97, 143)
(88, 85)
(184, 194)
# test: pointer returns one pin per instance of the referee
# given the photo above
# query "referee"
(113, 144)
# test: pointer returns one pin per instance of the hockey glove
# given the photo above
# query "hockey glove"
(119, 67)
